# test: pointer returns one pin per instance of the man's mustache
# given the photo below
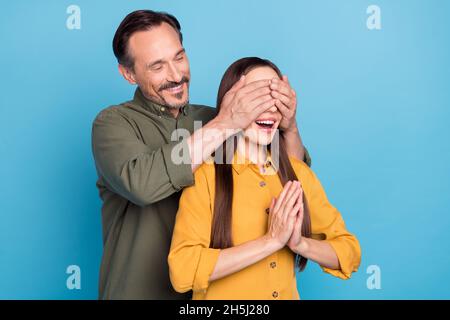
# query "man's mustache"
(170, 85)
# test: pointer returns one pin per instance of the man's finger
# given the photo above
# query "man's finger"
(281, 87)
(238, 85)
(255, 85)
(258, 101)
(263, 107)
(287, 101)
(252, 95)
(282, 108)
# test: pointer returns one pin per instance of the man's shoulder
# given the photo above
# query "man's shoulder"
(117, 111)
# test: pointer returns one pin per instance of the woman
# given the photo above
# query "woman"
(255, 215)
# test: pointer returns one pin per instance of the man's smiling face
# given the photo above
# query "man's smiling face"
(161, 67)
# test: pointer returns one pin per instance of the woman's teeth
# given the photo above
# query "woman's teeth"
(266, 124)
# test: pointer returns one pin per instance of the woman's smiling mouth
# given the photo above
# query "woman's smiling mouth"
(265, 124)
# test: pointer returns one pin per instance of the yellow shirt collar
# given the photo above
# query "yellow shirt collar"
(240, 163)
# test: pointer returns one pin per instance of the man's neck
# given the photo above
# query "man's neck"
(174, 111)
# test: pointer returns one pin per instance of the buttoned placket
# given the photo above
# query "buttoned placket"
(272, 261)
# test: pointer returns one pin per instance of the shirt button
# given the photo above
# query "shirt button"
(275, 294)
(267, 210)
(262, 184)
(268, 163)
(273, 264)
(163, 109)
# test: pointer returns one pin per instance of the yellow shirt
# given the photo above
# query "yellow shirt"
(191, 261)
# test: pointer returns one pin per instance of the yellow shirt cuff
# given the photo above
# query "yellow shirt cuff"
(206, 265)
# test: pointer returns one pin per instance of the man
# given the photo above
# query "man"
(132, 143)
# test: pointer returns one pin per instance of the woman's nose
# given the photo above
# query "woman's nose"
(273, 109)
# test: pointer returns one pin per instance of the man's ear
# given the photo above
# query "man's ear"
(127, 74)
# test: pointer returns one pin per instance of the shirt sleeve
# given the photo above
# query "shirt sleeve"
(141, 174)
(326, 220)
(191, 261)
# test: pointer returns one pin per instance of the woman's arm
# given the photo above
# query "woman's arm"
(315, 250)
(340, 253)
(318, 251)
(281, 222)
(234, 259)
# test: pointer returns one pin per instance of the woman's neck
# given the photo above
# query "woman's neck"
(253, 152)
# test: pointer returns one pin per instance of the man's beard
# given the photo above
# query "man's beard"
(178, 95)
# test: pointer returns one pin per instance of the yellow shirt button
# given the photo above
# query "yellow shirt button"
(267, 210)
(273, 264)
(275, 294)
(262, 184)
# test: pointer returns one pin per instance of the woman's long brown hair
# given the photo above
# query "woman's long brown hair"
(221, 233)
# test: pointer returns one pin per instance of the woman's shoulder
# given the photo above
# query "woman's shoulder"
(206, 170)
(303, 171)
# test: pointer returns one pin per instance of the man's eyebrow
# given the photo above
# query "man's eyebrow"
(180, 52)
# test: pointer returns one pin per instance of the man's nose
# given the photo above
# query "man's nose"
(174, 75)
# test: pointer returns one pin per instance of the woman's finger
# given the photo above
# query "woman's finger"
(297, 204)
(282, 195)
(290, 199)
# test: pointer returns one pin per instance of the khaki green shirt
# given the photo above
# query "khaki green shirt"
(140, 188)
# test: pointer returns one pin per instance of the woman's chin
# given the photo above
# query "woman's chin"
(262, 141)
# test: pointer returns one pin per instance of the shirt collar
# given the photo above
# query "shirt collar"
(154, 107)
(240, 163)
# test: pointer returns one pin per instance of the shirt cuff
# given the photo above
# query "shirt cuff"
(206, 265)
(180, 175)
(346, 260)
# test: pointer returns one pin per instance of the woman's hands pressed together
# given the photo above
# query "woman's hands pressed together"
(286, 216)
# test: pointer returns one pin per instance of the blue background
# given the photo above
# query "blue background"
(373, 112)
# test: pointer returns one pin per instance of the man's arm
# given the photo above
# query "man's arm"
(141, 174)
(295, 147)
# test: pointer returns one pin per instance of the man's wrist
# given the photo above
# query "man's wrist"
(292, 129)
(222, 124)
